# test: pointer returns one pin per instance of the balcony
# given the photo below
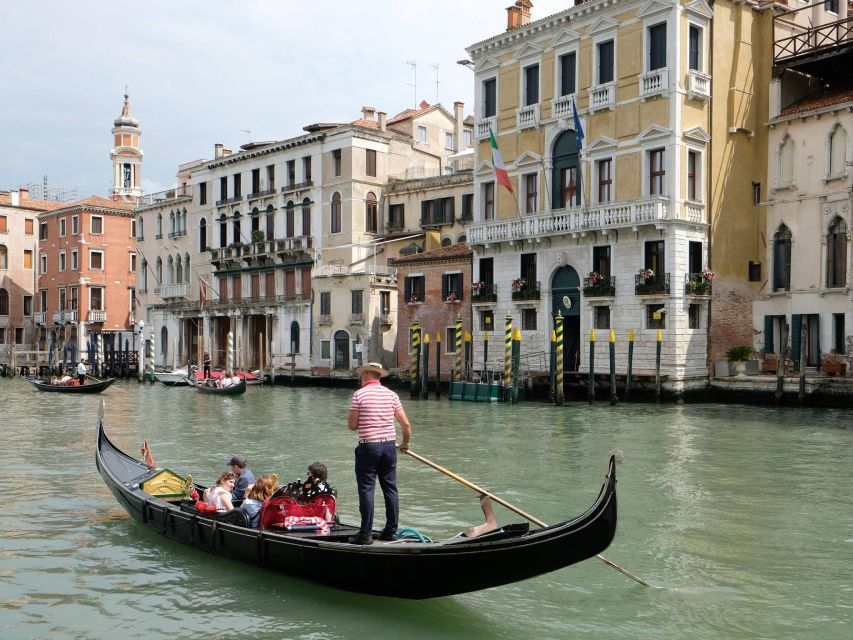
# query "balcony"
(394, 226)
(656, 285)
(484, 125)
(528, 117)
(386, 320)
(226, 201)
(293, 245)
(525, 291)
(178, 234)
(482, 292)
(97, 316)
(256, 302)
(437, 219)
(599, 286)
(261, 194)
(602, 97)
(297, 186)
(184, 191)
(570, 221)
(71, 317)
(356, 319)
(698, 85)
(324, 319)
(654, 83)
(804, 33)
(258, 252)
(562, 107)
(41, 317)
(58, 317)
(174, 291)
(698, 285)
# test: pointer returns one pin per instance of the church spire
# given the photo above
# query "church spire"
(126, 155)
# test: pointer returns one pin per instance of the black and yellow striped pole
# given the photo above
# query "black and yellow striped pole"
(507, 357)
(485, 356)
(516, 364)
(468, 345)
(630, 364)
(590, 392)
(559, 398)
(415, 357)
(425, 382)
(612, 367)
(438, 364)
(552, 368)
(657, 368)
(459, 337)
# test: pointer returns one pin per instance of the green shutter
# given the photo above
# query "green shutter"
(796, 335)
(768, 334)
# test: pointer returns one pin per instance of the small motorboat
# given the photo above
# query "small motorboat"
(90, 387)
(175, 378)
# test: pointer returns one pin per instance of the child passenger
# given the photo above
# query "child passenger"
(263, 488)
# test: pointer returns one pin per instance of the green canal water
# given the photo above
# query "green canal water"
(743, 515)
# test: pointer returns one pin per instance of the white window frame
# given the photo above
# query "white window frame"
(525, 65)
(558, 55)
(647, 167)
(836, 175)
(32, 260)
(92, 225)
(423, 134)
(103, 298)
(780, 183)
(647, 43)
(449, 140)
(75, 260)
(63, 224)
(132, 261)
(702, 47)
(133, 227)
(43, 263)
(601, 39)
(700, 174)
(62, 261)
(524, 192)
(596, 176)
(481, 97)
(93, 252)
(75, 225)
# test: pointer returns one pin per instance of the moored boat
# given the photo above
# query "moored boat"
(250, 378)
(209, 386)
(89, 387)
(176, 378)
(403, 568)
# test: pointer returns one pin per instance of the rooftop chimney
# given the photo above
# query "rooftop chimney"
(458, 117)
(382, 116)
(218, 151)
(518, 14)
(368, 113)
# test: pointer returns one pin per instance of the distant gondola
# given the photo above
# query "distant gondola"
(402, 569)
(91, 387)
(233, 390)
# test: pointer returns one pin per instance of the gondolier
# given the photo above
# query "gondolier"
(81, 372)
(372, 413)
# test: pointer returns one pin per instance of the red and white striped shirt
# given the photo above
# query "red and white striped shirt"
(376, 406)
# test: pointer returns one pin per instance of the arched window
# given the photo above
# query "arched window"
(462, 239)
(223, 231)
(164, 343)
(170, 271)
(4, 257)
(172, 222)
(371, 215)
(187, 268)
(256, 220)
(289, 222)
(782, 259)
(4, 302)
(179, 270)
(184, 221)
(270, 223)
(158, 271)
(159, 225)
(236, 225)
(786, 162)
(202, 235)
(837, 152)
(143, 275)
(306, 217)
(836, 254)
(140, 228)
(446, 242)
(335, 221)
(564, 177)
(294, 337)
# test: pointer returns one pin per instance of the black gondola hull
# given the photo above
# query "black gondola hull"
(93, 387)
(234, 390)
(409, 570)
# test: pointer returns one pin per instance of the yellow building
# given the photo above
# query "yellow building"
(626, 176)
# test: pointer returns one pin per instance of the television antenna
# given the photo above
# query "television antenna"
(435, 67)
(414, 67)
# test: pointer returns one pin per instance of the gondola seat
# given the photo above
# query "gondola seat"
(280, 506)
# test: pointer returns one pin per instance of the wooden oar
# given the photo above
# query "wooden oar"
(512, 507)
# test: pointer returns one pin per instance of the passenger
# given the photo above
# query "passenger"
(219, 495)
(244, 476)
(315, 484)
(263, 488)
(224, 382)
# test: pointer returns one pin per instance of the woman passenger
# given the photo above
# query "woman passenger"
(219, 495)
(263, 488)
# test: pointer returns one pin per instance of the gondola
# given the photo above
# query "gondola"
(233, 390)
(402, 569)
(91, 387)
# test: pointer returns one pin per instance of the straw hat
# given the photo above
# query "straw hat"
(373, 367)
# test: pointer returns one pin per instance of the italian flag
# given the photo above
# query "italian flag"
(500, 169)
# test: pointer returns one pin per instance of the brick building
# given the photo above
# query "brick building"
(434, 288)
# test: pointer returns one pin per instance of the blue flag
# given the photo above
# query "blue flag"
(578, 128)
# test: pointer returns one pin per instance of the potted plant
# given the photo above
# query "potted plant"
(257, 236)
(834, 364)
(737, 357)
(771, 362)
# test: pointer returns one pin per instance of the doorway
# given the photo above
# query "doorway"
(342, 350)
(565, 298)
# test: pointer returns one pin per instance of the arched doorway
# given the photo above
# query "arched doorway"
(566, 298)
(565, 177)
(341, 350)
(164, 344)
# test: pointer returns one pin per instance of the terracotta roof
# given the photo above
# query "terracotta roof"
(404, 115)
(445, 253)
(820, 100)
(362, 122)
(32, 203)
(98, 201)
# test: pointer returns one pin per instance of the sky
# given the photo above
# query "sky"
(200, 73)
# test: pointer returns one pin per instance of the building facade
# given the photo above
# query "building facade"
(602, 114)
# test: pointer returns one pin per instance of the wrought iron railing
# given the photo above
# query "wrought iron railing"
(528, 291)
(697, 284)
(599, 286)
(655, 285)
(484, 292)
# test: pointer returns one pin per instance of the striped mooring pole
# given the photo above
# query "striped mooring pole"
(516, 364)
(99, 353)
(558, 350)
(486, 356)
(612, 367)
(590, 391)
(630, 364)
(507, 356)
(468, 355)
(457, 376)
(425, 382)
(438, 365)
(151, 358)
(414, 354)
(657, 368)
(229, 354)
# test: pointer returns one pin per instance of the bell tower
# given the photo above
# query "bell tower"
(126, 156)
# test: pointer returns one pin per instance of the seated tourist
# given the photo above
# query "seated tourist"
(219, 495)
(315, 484)
(313, 498)
(263, 488)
